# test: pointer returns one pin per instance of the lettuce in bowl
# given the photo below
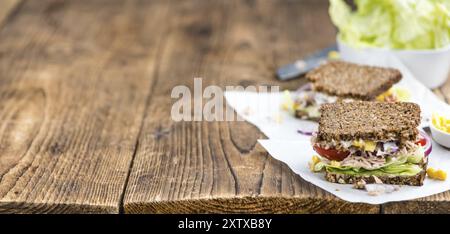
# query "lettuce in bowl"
(405, 24)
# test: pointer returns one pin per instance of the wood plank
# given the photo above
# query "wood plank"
(6, 8)
(189, 167)
(74, 80)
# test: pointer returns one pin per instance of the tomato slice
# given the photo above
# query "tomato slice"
(422, 141)
(331, 154)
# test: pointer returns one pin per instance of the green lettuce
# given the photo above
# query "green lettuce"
(405, 24)
(407, 169)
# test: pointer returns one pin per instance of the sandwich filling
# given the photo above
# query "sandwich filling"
(307, 100)
(307, 103)
(362, 157)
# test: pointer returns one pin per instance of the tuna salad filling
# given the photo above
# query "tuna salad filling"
(307, 103)
(361, 157)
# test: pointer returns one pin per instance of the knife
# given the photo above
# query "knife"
(306, 64)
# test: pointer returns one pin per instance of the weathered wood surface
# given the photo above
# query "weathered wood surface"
(75, 77)
(7, 8)
(85, 104)
(206, 166)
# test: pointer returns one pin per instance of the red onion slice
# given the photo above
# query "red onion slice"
(307, 133)
(307, 129)
(428, 146)
(305, 87)
(392, 146)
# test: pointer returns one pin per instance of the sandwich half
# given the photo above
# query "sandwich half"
(377, 142)
(342, 81)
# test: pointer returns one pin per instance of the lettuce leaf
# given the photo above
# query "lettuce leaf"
(407, 169)
(403, 165)
(405, 24)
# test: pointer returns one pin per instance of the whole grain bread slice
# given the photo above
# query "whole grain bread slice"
(351, 80)
(376, 121)
(416, 180)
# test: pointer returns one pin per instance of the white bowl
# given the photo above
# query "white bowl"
(440, 136)
(430, 67)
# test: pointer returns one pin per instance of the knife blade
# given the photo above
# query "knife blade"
(304, 65)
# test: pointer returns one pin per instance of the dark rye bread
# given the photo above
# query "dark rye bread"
(351, 80)
(416, 180)
(376, 121)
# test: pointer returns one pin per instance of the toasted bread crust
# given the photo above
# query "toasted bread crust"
(377, 121)
(351, 80)
(416, 180)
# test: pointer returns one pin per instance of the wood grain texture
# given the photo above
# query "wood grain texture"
(6, 8)
(74, 80)
(85, 108)
(190, 167)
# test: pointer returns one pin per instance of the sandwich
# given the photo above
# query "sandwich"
(338, 81)
(370, 142)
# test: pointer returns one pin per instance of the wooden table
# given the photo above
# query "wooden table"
(85, 107)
